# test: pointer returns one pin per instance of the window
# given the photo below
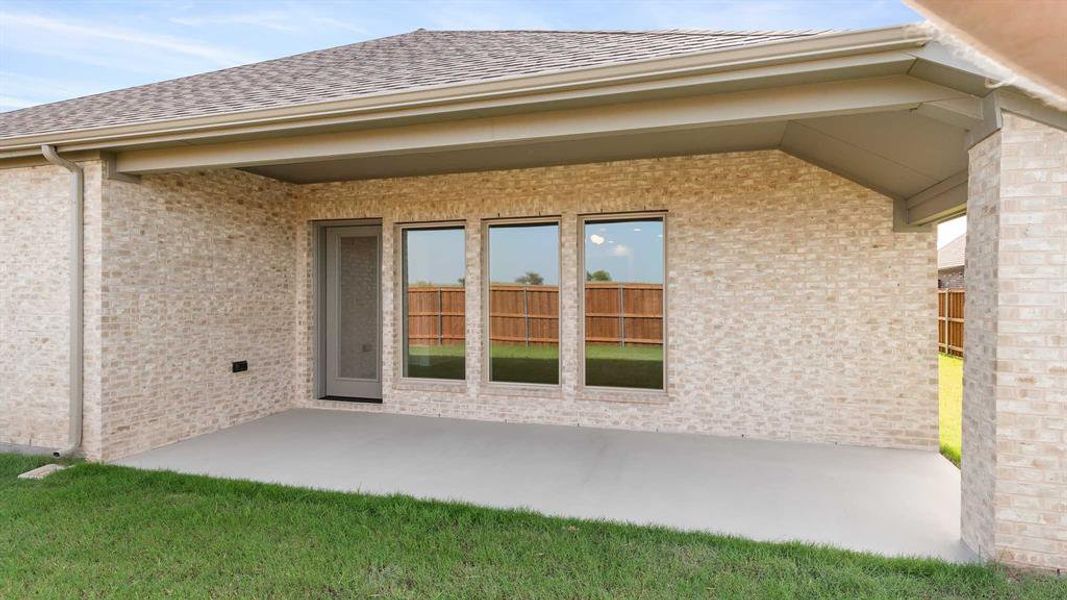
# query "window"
(434, 264)
(523, 300)
(624, 300)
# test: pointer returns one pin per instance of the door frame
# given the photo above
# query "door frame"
(318, 304)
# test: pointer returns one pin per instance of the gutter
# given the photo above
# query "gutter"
(434, 99)
(77, 348)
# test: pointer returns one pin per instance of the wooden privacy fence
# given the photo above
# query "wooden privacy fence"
(950, 321)
(524, 313)
(624, 313)
(435, 315)
(616, 313)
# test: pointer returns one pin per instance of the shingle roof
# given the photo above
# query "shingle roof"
(408, 61)
(952, 254)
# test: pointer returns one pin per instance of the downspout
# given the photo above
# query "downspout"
(77, 192)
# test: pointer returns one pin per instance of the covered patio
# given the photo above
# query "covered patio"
(794, 183)
(891, 502)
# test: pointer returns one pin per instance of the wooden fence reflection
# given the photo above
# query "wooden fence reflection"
(615, 313)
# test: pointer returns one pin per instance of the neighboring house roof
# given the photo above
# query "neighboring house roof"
(952, 254)
(408, 61)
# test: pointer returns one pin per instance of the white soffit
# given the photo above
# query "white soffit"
(897, 153)
(757, 136)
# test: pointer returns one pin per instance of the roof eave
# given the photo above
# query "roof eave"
(497, 91)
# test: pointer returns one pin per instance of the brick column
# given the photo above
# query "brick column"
(1015, 370)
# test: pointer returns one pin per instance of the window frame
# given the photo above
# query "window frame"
(583, 220)
(487, 342)
(401, 229)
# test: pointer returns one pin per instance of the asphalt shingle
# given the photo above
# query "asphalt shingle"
(953, 253)
(403, 62)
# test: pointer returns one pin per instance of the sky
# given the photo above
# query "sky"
(630, 251)
(53, 50)
(520, 249)
(950, 230)
(435, 256)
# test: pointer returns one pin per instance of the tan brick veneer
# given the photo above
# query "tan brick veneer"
(795, 312)
(1015, 394)
(35, 212)
(199, 272)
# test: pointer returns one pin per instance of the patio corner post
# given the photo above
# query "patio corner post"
(1013, 459)
(77, 243)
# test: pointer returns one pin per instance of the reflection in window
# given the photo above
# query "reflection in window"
(524, 303)
(434, 266)
(624, 300)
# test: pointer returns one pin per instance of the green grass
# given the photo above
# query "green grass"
(524, 364)
(624, 366)
(950, 401)
(606, 364)
(95, 531)
(436, 362)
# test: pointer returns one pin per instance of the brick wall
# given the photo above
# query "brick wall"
(198, 273)
(979, 381)
(805, 359)
(189, 272)
(950, 278)
(35, 213)
(1015, 394)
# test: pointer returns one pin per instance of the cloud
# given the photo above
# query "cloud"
(269, 20)
(292, 20)
(32, 86)
(33, 90)
(12, 103)
(459, 14)
(768, 14)
(114, 47)
(65, 49)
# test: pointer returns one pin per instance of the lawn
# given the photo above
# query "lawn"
(606, 364)
(95, 531)
(950, 400)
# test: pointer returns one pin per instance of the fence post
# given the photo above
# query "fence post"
(950, 320)
(526, 313)
(942, 332)
(440, 318)
(622, 316)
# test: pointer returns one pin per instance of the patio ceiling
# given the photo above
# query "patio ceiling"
(897, 134)
(898, 153)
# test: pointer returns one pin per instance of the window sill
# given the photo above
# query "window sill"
(431, 385)
(532, 390)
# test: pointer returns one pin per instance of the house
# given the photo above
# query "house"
(950, 263)
(184, 256)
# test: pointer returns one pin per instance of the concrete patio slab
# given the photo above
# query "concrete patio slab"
(891, 502)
